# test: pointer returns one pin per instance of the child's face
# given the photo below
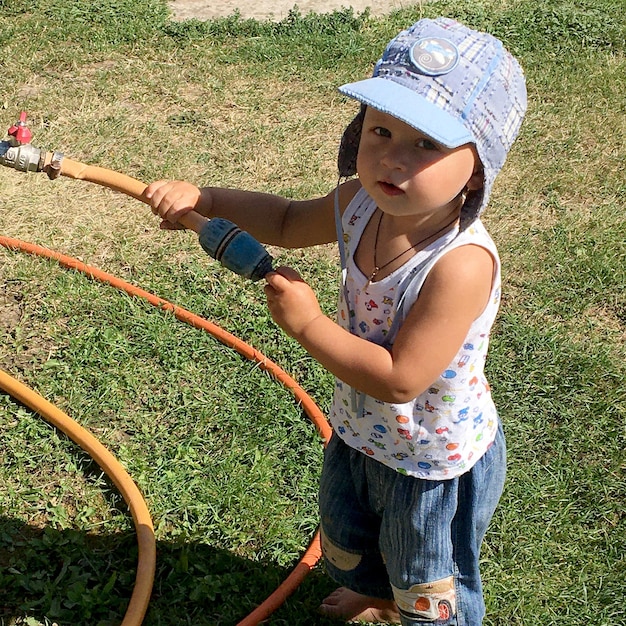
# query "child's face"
(406, 173)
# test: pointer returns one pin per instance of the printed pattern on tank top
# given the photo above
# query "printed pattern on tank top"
(443, 432)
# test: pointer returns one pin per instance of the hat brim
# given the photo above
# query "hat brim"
(384, 94)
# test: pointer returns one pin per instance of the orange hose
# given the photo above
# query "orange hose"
(102, 176)
(275, 600)
(120, 182)
(228, 339)
(193, 221)
(313, 553)
(146, 562)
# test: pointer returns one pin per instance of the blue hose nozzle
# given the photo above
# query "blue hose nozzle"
(235, 249)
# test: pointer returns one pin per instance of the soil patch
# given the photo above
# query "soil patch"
(274, 9)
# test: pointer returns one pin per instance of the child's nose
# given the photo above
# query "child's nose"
(396, 157)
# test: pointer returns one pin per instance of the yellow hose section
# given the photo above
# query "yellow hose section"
(146, 563)
(102, 176)
(120, 182)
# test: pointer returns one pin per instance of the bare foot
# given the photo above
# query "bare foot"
(350, 606)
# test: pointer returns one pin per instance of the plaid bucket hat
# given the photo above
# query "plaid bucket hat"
(454, 84)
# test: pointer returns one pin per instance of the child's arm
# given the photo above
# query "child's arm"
(453, 296)
(269, 218)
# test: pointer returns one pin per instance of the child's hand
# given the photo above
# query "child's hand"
(171, 199)
(291, 301)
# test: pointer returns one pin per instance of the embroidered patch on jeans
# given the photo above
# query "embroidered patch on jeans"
(430, 601)
(340, 558)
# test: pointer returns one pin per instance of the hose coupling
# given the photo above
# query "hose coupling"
(52, 164)
(235, 249)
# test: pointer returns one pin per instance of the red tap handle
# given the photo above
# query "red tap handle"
(20, 131)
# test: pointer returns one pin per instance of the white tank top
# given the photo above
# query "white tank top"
(443, 432)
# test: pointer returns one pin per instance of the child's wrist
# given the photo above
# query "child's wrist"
(205, 202)
(307, 334)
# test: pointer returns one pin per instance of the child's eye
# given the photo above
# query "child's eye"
(427, 144)
(382, 132)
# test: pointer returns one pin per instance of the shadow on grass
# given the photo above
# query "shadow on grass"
(84, 579)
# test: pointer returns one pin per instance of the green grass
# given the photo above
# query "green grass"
(226, 460)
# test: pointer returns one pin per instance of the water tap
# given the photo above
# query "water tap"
(17, 151)
(19, 133)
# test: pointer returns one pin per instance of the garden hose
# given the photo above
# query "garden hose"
(119, 182)
(236, 250)
(146, 566)
(220, 238)
(146, 562)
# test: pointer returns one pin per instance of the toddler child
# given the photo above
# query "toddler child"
(416, 463)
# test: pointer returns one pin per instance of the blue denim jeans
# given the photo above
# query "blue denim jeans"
(416, 541)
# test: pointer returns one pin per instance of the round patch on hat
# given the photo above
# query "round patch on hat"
(434, 56)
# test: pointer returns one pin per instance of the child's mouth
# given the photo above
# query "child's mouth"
(390, 189)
